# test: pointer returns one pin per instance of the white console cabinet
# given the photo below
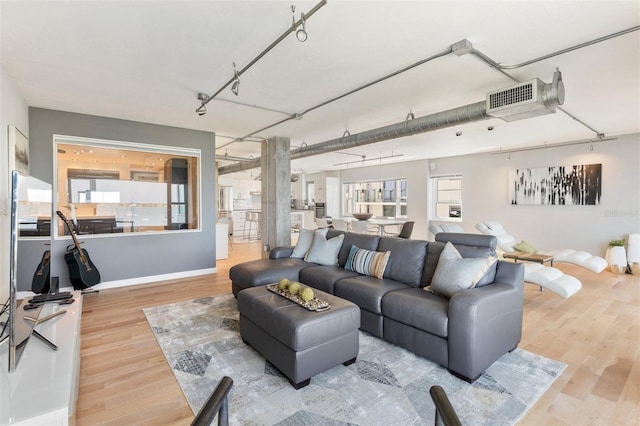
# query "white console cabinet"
(44, 388)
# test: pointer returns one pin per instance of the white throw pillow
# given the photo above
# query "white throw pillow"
(455, 273)
(305, 239)
(323, 251)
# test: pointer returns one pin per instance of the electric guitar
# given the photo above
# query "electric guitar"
(82, 272)
(40, 283)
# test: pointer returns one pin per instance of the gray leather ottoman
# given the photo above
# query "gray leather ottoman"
(299, 342)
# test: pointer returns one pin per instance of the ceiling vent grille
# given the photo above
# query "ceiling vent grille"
(511, 96)
(523, 100)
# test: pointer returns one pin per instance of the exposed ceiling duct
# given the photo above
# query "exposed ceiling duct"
(542, 99)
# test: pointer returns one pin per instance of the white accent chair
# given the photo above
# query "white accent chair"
(322, 222)
(339, 224)
(580, 258)
(547, 277)
(436, 228)
(359, 226)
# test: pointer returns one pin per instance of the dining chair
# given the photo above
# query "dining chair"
(322, 222)
(339, 224)
(405, 231)
(359, 226)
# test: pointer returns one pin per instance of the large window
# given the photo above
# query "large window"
(447, 198)
(107, 187)
(386, 198)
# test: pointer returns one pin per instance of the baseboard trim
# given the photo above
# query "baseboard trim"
(136, 281)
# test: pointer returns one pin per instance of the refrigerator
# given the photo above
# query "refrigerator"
(225, 205)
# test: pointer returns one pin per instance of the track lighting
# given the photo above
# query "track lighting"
(203, 97)
(301, 34)
(235, 87)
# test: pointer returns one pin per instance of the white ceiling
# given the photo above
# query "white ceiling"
(146, 61)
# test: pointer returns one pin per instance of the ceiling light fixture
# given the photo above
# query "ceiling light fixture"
(301, 34)
(203, 98)
(235, 87)
(458, 133)
(284, 35)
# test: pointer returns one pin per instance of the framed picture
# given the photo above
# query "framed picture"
(574, 184)
(18, 151)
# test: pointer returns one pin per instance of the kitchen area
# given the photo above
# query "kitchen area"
(239, 206)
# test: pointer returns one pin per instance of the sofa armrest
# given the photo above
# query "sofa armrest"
(280, 252)
(486, 322)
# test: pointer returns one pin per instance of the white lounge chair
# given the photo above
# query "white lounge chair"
(507, 242)
(436, 228)
(547, 277)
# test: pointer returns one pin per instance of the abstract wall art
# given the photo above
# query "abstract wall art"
(18, 150)
(557, 185)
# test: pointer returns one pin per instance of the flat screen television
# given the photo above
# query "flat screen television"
(30, 205)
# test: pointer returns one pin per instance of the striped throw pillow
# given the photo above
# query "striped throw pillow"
(367, 262)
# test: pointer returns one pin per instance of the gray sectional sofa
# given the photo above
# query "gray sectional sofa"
(465, 333)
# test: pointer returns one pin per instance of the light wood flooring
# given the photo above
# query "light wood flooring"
(124, 378)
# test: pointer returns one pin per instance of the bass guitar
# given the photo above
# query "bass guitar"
(82, 272)
(40, 283)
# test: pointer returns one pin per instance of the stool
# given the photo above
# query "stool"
(251, 218)
(299, 342)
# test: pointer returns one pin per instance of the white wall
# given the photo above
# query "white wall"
(590, 228)
(13, 111)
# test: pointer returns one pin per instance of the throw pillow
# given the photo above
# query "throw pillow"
(525, 247)
(304, 242)
(367, 262)
(323, 251)
(455, 273)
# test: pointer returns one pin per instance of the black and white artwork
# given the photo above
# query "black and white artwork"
(558, 185)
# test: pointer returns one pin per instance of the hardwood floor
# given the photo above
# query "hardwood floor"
(124, 378)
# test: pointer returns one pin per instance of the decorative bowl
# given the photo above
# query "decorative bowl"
(362, 216)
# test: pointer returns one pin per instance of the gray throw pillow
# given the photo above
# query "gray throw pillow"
(304, 242)
(323, 251)
(455, 273)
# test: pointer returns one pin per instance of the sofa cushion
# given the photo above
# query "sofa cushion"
(364, 241)
(367, 262)
(406, 259)
(418, 308)
(305, 239)
(455, 273)
(324, 251)
(485, 247)
(366, 292)
(324, 277)
(266, 271)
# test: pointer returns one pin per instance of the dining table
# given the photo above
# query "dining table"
(381, 223)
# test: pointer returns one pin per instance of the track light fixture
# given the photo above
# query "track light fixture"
(301, 34)
(204, 98)
(235, 87)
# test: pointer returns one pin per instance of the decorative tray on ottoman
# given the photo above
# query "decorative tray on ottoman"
(314, 304)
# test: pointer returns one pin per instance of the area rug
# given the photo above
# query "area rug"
(386, 385)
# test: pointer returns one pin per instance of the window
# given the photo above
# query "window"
(447, 192)
(107, 187)
(379, 198)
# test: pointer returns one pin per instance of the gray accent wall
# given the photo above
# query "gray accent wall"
(136, 256)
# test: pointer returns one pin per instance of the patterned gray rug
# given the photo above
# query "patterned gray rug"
(386, 385)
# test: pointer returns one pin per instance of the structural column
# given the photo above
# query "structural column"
(276, 192)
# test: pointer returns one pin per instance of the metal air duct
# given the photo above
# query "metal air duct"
(547, 97)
